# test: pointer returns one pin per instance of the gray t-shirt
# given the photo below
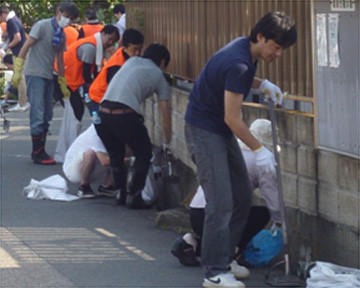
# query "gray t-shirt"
(86, 53)
(138, 79)
(41, 55)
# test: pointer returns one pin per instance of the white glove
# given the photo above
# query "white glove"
(275, 227)
(271, 91)
(265, 160)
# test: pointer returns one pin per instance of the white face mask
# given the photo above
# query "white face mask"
(64, 22)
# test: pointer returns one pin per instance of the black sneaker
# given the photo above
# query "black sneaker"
(85, 191)
(109, 191)
(184, 252)
(120, 197)
(239, 258)
(135, 201)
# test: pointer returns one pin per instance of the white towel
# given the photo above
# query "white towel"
(10, 16)
(99, 51)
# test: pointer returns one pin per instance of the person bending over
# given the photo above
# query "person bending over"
(212, 123)
(122, 123)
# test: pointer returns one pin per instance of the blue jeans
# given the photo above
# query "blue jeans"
(40, 94)
(222, 173)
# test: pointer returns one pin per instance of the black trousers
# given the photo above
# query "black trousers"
(117, 130)
(259, 216)
(77, 104)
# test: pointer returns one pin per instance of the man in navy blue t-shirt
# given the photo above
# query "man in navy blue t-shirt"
(212, 122)
(17, 38)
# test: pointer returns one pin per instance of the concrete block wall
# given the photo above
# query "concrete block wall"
(321, 188)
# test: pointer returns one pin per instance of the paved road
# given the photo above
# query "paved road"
(85, 243)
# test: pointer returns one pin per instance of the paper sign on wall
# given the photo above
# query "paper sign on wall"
(333, 35)
(342, 5)
(321, 39)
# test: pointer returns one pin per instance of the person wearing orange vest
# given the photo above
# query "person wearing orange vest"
(133, 41)
(92, 24)
(71, 35)
(82, 58)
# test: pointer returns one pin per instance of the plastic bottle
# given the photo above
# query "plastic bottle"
(95, 118)
(87, 98)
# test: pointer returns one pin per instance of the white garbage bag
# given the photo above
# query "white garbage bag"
(52, 188)
(69, 130)
(327, 275)
(151, 189)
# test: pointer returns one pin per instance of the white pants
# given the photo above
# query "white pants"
(72, 170)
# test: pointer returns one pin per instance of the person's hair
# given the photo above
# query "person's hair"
(8, 59)
(111, 29)
(119, 8)
(5, 9)
(276, 26)
(90, 14)
(69, 8)
(157, 52)
(132, 36)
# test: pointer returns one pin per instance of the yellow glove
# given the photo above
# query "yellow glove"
(63, 87)
(18, 67)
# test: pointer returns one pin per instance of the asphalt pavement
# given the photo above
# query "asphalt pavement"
(84, 243)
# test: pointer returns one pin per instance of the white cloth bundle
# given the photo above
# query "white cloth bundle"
(99, 51)
(52, 188)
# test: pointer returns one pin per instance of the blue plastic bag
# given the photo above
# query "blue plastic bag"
(263, 247)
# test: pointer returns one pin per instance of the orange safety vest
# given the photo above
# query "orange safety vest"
(91, 29)
(98, 87)
(71, 35)
(73, 66)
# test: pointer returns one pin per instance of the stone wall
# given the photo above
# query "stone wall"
(321, 188)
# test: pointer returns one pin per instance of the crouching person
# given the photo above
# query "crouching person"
(186, 248)
(87, 161)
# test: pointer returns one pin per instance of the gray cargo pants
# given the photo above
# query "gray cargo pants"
(222, 173)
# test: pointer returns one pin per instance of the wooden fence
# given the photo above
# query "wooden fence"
(193, 30)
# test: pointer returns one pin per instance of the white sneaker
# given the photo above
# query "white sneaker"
(26, 107)
(19, 108)
(223, 281)
(16, 108)
(238, 271)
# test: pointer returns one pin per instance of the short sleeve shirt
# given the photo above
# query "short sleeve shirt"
(138, 79)
(86, 53)
(40, 59)
(14, 26)
(232, 69)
